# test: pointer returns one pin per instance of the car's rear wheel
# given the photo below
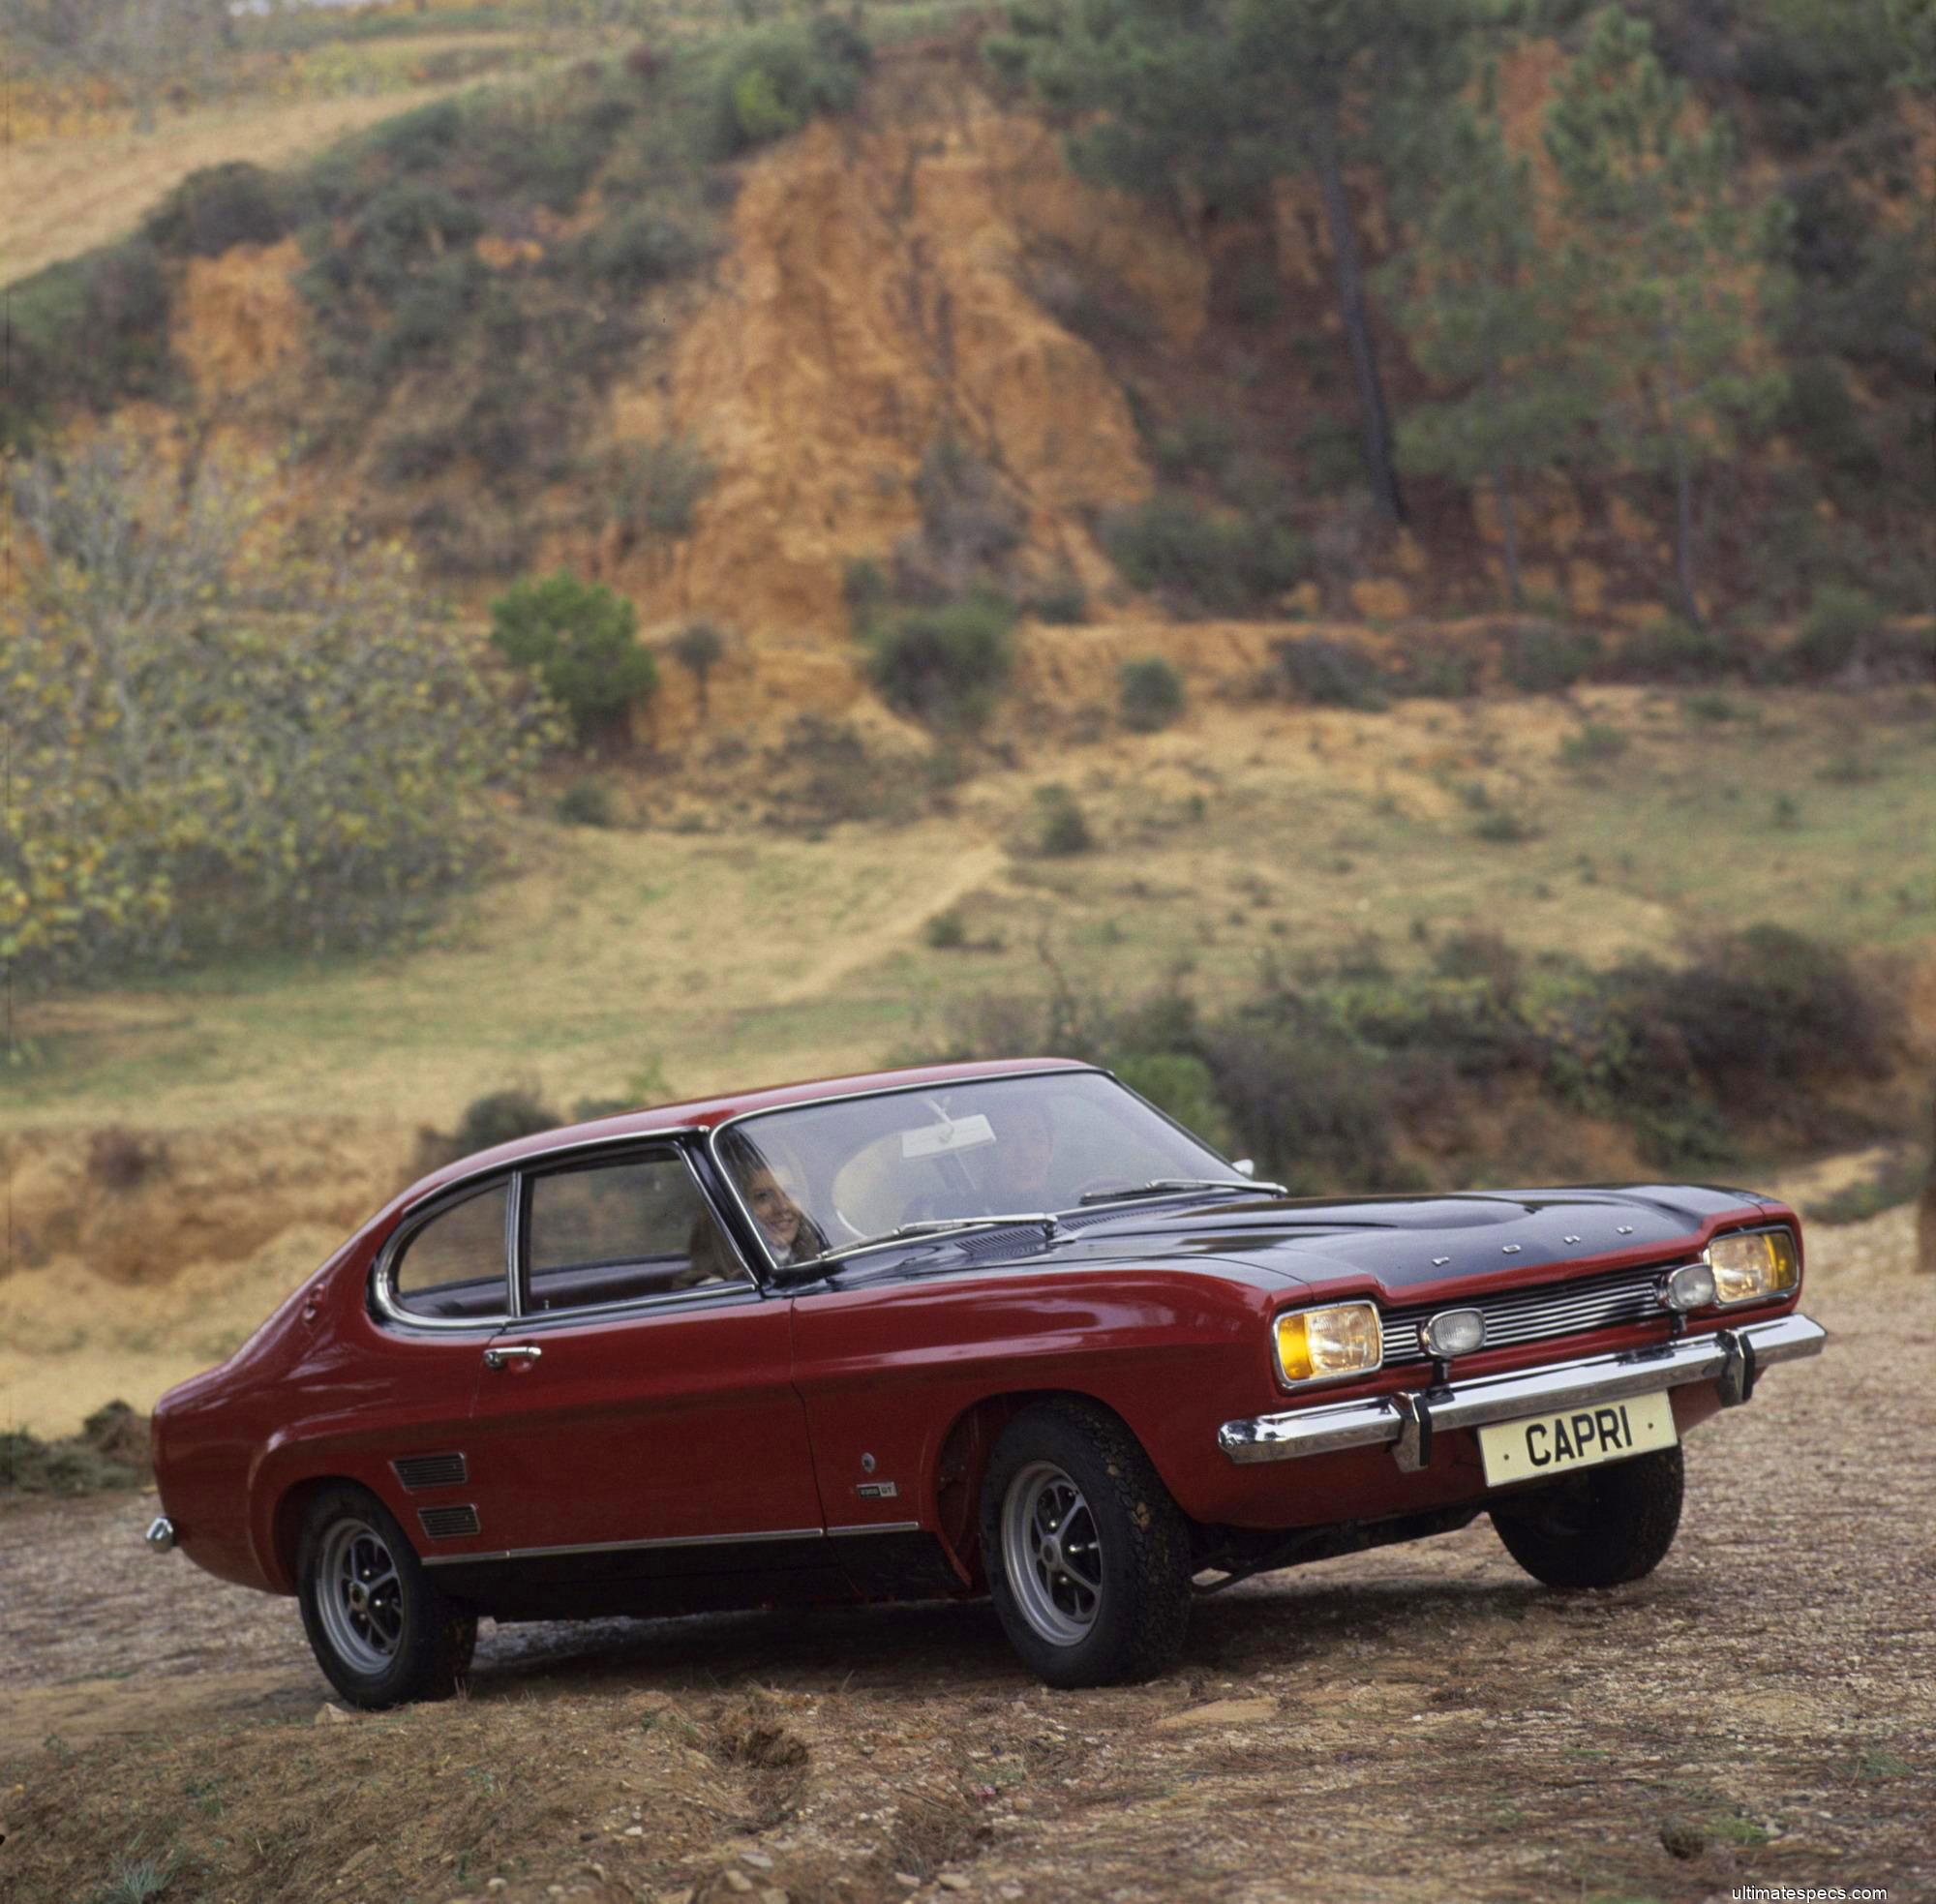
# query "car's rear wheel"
(379, 1628)
(1602, 1527)
(1087, 1555)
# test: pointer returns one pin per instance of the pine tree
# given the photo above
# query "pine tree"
(1220, 99)
(1486, 314)
(1666, 251)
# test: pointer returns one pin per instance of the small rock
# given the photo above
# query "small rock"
(952, 1881)
(328, 1715)
(908, 1879)
(758, 1860)
(736, 1881)
(635, 1830)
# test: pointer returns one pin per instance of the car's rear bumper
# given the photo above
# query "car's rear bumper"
(1406, 1422)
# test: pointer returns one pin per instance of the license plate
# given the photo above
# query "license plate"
(1577, 1438)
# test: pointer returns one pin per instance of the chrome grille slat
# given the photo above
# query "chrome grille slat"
(1549, 1311)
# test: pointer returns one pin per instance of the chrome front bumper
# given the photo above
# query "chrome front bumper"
(1406, 1422)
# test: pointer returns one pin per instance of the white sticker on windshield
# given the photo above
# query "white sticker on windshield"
(942, 1140)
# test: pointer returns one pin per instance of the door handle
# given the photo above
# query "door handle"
(496, 1358)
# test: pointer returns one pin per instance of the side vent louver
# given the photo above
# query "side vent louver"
(448, 1522)
(430, 1471)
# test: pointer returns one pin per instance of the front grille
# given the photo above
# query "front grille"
(448, 1522)
(1539, 1314)
(430, 1471)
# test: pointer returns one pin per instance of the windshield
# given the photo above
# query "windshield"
(825, 1176)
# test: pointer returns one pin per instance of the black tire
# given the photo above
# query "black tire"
(1600, 1529)
(1122, 1590)
(379, 1628)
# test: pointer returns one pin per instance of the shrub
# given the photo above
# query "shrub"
(1437, 674)
(1200, 442)
(1309, 1104)
(421, 139)
(110, 1451)
(580, 640)
(1202, 563)
(1710, 709)
(1766, 1015)
(217, 207)
(1841, 625)
(1328, 674)
(120, 1161)
(1672, 650)
(1180, 1084)
(1541, 657)
(635, 252)
(699, 647)
(946, 931)
(1152, 693)
(1064, 604)
(585, 803)
(1061, 828)
(502, 1117)
(1593, 745)
(943, 665)
(782, 75)
(230, 741)
(863, 585)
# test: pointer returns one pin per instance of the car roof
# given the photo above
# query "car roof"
(705, 1113)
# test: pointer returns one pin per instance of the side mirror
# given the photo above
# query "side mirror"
(1246, 1167)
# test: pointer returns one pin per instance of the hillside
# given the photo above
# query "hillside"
(590, 323)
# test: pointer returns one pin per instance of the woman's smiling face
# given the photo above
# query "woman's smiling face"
(778, 1213)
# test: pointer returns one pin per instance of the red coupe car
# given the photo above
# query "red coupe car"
(996, 1328)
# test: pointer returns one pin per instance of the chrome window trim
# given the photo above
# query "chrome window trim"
(856, 1097)
(382, 1290)
(383, 1295)
(528, 1179)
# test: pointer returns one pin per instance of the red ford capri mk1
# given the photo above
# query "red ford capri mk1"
(996, 1328)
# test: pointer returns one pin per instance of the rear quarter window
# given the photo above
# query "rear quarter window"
(453, 1269)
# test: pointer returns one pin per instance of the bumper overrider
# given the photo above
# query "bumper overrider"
(1406, 1422)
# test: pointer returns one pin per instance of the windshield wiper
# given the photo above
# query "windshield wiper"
(1044, 1220)
(1170, 1186)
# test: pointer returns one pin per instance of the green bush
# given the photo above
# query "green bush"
(1180, 1084)
(1061, 826)
(1064, 604)
(635, 252)
(580, 640)
(1201, 563)
(585, 803)
(943, 665)
(1672, 650)
(1328, 674)
(1541, 657)
(1437, 674)
(1593, 744)
(946, 931)
(1839, 630)
(781, 76)
(502, 1117)
(1151, 692)
(219, 207)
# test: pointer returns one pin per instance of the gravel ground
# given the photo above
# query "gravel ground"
(1421, 1722)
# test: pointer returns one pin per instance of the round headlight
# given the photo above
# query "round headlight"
(1691, 1287)
(1453, 1332)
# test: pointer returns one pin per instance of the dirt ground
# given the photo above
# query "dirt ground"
(1423, 1722)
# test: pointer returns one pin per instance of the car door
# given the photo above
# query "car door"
(642, 1397)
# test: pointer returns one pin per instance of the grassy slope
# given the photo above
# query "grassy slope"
(743, 954)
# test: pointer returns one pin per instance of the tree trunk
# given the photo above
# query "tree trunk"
(1683, 529)
(1378, 460)
(1502, 493)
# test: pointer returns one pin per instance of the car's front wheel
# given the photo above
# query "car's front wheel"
(379, 1628)
(1087, 1555)
(1602, 1527)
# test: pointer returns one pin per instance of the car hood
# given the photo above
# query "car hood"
(1399, 1242)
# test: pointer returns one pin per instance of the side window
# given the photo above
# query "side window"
(613, 1232)
(452, 1270)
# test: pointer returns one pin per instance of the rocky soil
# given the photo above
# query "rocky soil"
(1422, 1722)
